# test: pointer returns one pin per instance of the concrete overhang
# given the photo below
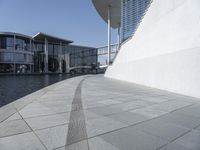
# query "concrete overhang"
(102, 8)
(51, 39)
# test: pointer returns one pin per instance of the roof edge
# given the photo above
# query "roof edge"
(51, 36)
(16, 34)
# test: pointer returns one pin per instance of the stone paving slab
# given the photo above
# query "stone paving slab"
(43, 122)
(53, 137)
(97, 113)
(190, 140)
(26, 141)
(166, 131)
(174, 146)
(8, 128)
(15, 116)
(131, 139)
(129, 118)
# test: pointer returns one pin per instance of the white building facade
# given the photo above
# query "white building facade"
(164, 52)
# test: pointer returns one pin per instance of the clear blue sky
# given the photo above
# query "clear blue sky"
(76, 20)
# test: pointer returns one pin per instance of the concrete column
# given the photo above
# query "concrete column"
(30, 45)
(14, 41)
(30, 49)
(109, 34)
(46, 56)
(118, 38)
(60, 60)
(39, 63)
(67, 60)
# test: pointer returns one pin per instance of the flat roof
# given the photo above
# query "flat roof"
(82, 46)
(16, 34)
(102, 8)
(51, 39)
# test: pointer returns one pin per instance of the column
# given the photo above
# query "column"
(46, 56)
(60, 60)
(67, 60)
(30, 49)
(14, 65)
(30, 46)
(118, 38)
(109, 34)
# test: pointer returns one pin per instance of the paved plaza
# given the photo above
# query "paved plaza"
(97, 113)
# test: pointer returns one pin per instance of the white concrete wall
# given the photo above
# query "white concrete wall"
(165, 51)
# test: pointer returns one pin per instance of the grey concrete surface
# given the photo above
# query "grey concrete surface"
(97, 113)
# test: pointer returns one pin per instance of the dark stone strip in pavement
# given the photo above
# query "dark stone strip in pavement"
(77, 126)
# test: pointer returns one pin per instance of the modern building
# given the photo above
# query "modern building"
(82, 59)
(160, 42)
(132, 12)
(16, 53)
(125, 15)
(43, 53)
(112, 15)
(103, 52)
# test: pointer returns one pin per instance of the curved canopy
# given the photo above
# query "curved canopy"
(102, 8)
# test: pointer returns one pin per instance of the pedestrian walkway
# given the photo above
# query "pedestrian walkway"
(97, 113)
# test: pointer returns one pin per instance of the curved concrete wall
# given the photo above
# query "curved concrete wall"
(165, 50)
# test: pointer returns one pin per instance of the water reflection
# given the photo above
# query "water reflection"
(15, 87)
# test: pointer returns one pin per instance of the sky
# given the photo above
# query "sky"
(76, 20)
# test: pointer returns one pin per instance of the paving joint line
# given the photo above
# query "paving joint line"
(34, 133)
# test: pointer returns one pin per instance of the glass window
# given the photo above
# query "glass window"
(50, 50)
(28, 58)
(56, 50)
(3, 43)
(132, 14)
(6, 57)
(81, 56)
(10, 43)
(19, 57)
(26, 45)
(39, 47)
(19, 44)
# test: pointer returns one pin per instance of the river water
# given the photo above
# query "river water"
(15, 87)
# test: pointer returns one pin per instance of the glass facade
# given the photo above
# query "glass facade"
(22, 44)
(103, 54)
(17, 43)
(78, 56)
(6, 42)
(9, 43)
(15, 53)
(82, 56)
(22, 54)
(132, 13)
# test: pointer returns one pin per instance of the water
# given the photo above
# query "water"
(15, 87)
